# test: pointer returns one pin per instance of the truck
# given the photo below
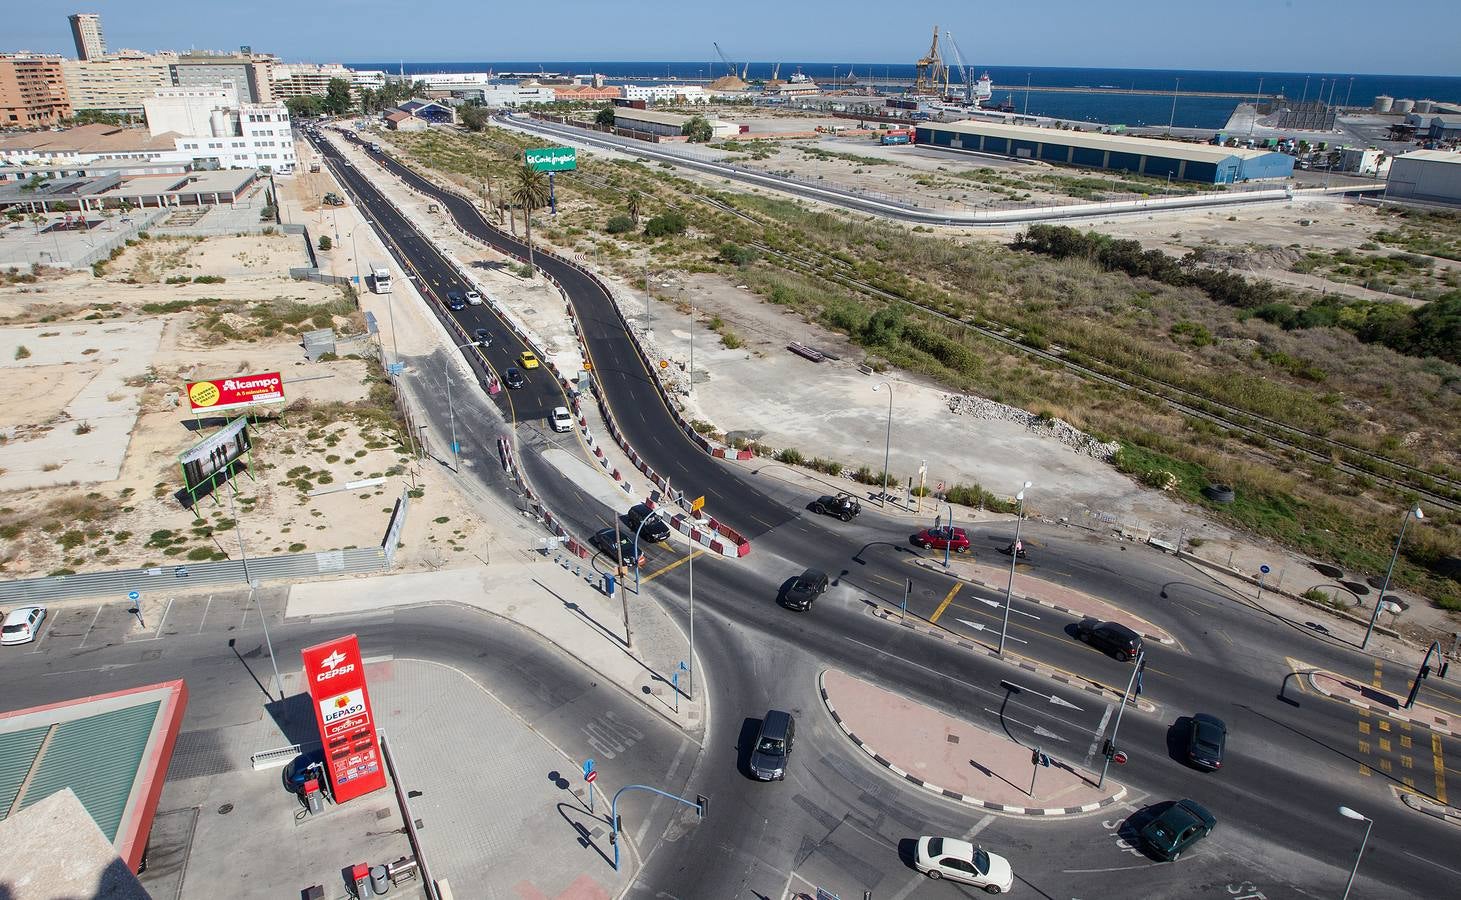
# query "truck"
(896, 137)
(380, 276)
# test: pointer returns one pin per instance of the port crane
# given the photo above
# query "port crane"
(931, 70)
(730, 67)
(961, 68)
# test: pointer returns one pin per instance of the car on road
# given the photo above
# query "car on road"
(513, 377)
(22, 625)
(772, 749)
(654, 530)
(528, 359)
(1111, 637)
(1181, 825)
(804, 589)
(561, 420)
(455, 300)
(482, 336)
(963, 862)
(1206, 742)
(843, 505)
(954, 539)
(474, 298)
(618, 546)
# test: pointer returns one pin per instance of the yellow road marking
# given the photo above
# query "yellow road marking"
(1379, 667)
(658, 572)
(1440, 764)
(1384, 745)
(1384, 724)
(1405, 741)
(1409, 782)
(883, 578)
(948, 598)
(1364, 728)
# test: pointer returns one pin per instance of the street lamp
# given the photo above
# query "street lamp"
(1369, 823)
(450, 410)
(657, 512)
(1014, 555)
(1414, 511)
(355, 255)
(1173, 117)
(950, 523)
(888, 441)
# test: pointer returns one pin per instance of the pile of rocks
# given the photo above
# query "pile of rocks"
(1059, 429)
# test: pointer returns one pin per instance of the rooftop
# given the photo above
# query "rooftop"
(95, 138)
(1098, 141)
(1443, 156)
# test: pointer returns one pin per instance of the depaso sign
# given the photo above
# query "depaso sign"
(240, 390)
(336, 679)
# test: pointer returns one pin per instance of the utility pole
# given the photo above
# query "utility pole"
(1125, 699)
(1014, 556)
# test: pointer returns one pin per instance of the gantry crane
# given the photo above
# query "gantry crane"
(931, 70)
(962, 68)
(730, 67)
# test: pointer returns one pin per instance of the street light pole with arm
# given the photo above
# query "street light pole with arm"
(1385, 585)
(1369, 823)
(451, 410)
(1014, 555)
(888, 440)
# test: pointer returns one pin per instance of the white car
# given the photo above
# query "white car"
(961, 861)
(561, 420)
(22, 625)
(474, 298)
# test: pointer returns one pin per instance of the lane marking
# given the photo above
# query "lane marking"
(948, 598)
(679, 562)
(206, 607)
(1439, 761)
(88, 628)
(1432, 862)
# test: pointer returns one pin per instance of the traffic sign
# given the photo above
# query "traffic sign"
(1264, 569)
(591, 777)
(1119, 757)
(697, 504)
(664, 364)
(551, 159)
(134, 596)
(588, 766)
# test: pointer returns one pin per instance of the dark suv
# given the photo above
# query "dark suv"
(1112, 637)
(455, 300)
(773, 746)
(804, 589)
(654, 529)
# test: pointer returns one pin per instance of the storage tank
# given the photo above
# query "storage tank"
(1383, 103)
(1404, 106)
(218, 122)
(1425, 106)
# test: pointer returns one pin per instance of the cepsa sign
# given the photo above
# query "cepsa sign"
(342, 707)
(241, 390)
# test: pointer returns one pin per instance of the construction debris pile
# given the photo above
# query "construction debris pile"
(1061, 430)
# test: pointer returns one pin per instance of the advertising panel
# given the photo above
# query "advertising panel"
(210, 458)
(239, 390)
(336, 679)
(552, 159)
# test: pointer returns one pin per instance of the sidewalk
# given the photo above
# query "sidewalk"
(1047, 593)
(954, 758)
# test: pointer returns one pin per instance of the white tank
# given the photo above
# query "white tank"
(1404, 106)
(1425, 106)
(218, 122)
(1383, 103)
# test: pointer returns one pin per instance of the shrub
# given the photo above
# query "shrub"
(619, 225)
(731, 340)
(791, 456)
(178, 279)
(737, 255)
(22, 352)
(325, 242)
(209, 279)
(666, 224)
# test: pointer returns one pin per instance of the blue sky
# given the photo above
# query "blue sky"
(1406, 37)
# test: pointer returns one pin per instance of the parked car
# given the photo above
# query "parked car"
(22, 625)
(939, 538)
(773, 746)
(1183, 824)
(528, 360)
(655, 528)
(455, 301)
(1206, 742)
(561, 420)
(807, 587)
(474, 298)
(304, 767)
(618, 546)
(844, 506)
(963, 862)
(482, 336)
(1111, 637)
(513, 378)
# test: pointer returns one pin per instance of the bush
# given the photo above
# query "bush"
(619, 225)
(178, 279)
(666, 224)
(737, 255)
(791, 456)
(830, 466)
(22, 352)
(325, 242)
(209, 279)
(731, 340)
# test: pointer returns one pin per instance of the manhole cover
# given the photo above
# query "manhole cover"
(225, 809)
(953, 738)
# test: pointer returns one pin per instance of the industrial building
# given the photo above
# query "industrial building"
(669, 93)
(1430, 176)
(665, 124)
(1444, 128)
(1141, 156)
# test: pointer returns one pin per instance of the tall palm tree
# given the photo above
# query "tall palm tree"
(634, 202)
(529, 190)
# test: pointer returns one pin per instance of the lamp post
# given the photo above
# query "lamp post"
(1133, 681)
(1369, 823)
(450, 410)
(1014, 555)
(887, 441)
(951, 533)
(1385, 585)
(355, 255)
(263, 617)
(1173, 117)
(653, 514)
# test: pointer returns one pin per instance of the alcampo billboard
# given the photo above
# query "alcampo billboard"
(235, 391)
(336, 677)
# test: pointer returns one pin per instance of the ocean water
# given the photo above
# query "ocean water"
(1149, 109)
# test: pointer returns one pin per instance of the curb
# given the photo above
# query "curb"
(1429, 807)
(955, 795)
(934, 567)
(1361, 704)
(1105, 693)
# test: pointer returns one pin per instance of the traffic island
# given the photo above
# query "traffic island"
(957, 759)
(1372, 698)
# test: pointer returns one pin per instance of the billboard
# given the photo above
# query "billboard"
(239, 390)
(211, 457)
(336, 677)
(552, 159)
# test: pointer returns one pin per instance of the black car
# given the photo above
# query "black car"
(610, 541)
(1112, 637)
(513, 377)
(482, 337)
(844, 506)
(772, 750)
(1205, 743)
(455, 300)
(806, 587)
(654, 528)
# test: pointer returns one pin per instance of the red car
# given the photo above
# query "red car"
(938, 538)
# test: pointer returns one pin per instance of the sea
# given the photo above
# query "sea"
(1153, 108)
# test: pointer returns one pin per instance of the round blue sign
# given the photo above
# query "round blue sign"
(1264, 569)
(134, 595)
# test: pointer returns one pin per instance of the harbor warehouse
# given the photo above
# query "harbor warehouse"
(667, 124)
(1141, 156)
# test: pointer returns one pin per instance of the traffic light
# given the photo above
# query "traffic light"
(1109, 749)
(702, 804)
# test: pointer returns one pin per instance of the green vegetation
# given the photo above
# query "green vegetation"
(325, 242)
(619, 225)
(666, 224)
(697, 129)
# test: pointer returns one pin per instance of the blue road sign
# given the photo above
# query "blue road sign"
(134, 596)
(1264, 569)
(588, 766)
(396, 368)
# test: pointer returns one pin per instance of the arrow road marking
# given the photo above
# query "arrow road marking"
(1053, 698)
(998, 605)
(1042, 732)
(978, 627)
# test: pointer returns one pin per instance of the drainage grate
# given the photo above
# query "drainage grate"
(952, 738)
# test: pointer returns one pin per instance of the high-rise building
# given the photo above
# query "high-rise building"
(86, 30)
(32, 90)
(307, 79)
(117, 82)
(249, 72)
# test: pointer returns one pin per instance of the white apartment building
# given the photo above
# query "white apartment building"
(116, 83)
(213, 130)
(306, 79)
(673, 93)
(509, 94)
(375, 79)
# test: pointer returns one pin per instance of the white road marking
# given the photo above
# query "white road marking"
(89, 627)
(1096, 741)
(206, 607)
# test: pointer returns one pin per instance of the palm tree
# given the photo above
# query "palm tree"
(529, 190)
(634, 202)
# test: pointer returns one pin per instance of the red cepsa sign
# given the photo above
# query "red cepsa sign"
(342, 707)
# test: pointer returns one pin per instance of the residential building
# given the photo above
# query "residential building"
(249, 73)
(670, 93)
(86, 31)
(32, 90)
(360, 79)
(306, 79)
(117, 82)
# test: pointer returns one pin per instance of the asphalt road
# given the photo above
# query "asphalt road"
(1294, 756)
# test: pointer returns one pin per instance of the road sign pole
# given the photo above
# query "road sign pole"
(552, 197)
(1262, 573)
(1034, 771)
(1140, 658)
